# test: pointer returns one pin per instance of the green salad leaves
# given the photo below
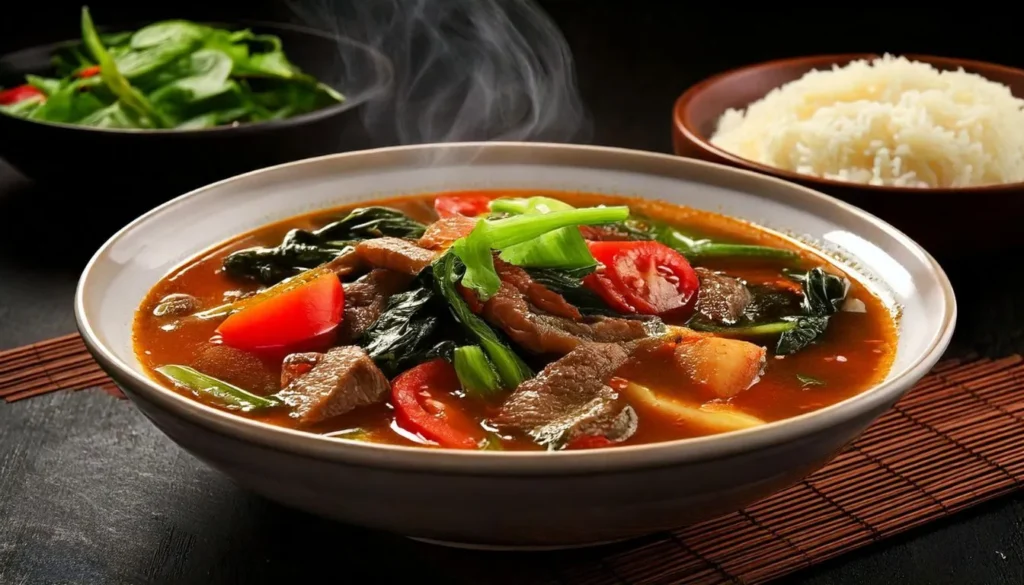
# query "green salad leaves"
(172, 74)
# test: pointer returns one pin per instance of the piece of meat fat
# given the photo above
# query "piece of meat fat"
(721, 299)
(343, 379)
(723, 367)
(395, 254)
(570, 398)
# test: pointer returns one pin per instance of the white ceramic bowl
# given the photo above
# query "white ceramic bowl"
(506, 499)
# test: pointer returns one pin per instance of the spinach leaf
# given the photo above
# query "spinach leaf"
(203, 75)
(405, 331)
(175, 74)
(371, 222)
(824, 293)
(47, 85)
(68, 104)
(299, 251)
(168, 32)
(112, 116)
(804, 332)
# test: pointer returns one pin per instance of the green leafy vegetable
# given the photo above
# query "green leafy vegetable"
(371, 222)
(301, 250)
(229, 394)
(808, 381)
(476, 374)
(823, 295)
(406, 332)
(447, 270)
(562, 248)
(498, 234)
(694, 248)
(116, 82)
(173, 74)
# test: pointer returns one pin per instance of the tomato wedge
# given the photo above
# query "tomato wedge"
(424, 404)
(469, 204)
(19, 94)
(301, 318)
(644, 277)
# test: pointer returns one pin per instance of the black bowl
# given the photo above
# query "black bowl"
(153, 165)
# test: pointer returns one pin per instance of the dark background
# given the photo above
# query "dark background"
(91, 493)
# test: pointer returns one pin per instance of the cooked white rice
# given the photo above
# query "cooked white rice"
(890, 121)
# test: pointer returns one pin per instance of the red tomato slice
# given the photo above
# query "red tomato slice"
(469, 204)
(648, 277)
(424, 404)
(19, 94)
(89, 71)
(300, 317)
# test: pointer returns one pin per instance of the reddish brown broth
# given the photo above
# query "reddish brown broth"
(855, 353)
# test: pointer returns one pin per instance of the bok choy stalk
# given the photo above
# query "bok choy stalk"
(563, 248)
(500, 234)
(476, 374)
(229, 394)
(510, 367)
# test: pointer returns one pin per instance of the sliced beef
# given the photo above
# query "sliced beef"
(395, 254)
(297, 365)
(722, 299)
(345, 264)
(366, 298)
(603, 233)
(541, 333)
(440, 234)
(571, 399)
(342, 379)
(537, 294)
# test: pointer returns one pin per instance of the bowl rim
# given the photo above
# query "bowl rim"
(386, 68)
(534, 463)
(684, 125)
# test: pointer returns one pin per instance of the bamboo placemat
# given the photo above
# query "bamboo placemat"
(952, 442)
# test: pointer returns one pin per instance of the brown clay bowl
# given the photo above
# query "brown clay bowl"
(948, 222)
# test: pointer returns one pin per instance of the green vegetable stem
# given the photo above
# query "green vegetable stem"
(226, 393)
(476, 374)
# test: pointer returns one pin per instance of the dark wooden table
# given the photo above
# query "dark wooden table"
(91, 493)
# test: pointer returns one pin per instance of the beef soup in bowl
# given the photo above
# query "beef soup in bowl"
(577, 344)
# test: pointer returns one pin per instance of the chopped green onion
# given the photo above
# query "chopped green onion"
(476, 374)
(227, 393)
